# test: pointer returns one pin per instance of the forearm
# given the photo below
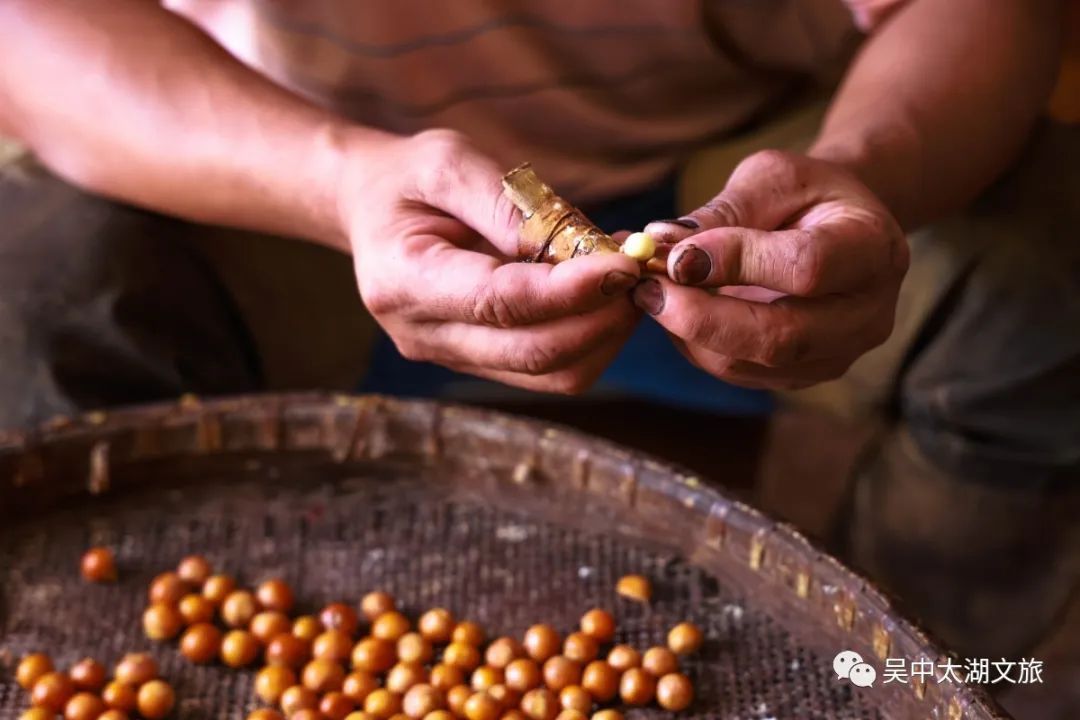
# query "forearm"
(941, 99)
(130, 101)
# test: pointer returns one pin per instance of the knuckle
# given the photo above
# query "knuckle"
(410, 349)
(378, 299)
(439, 163)
(778, 165)
(442, 141)
(721, 366)
(807, 267)
(876, 227)
(699, 329)
(880, 227)
(491, 307)
(781, 346)
(505, 214)
(721, 211)
(571, 383)
(882, 230)
(535, 358)
(770, 158)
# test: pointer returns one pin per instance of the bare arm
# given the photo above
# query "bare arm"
(935, 107)
(131, 101)
(941, 99)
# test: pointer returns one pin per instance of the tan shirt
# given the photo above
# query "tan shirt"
(603, 96)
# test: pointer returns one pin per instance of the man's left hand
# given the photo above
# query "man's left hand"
(784, 279)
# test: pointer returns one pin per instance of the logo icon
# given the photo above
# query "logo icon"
(849, 665)
(843, 662)
(863, 675)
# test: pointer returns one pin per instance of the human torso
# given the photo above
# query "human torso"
(604, 97)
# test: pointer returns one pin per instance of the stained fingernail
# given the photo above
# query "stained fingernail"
(686, 222)
(617, 282)
(693, 266)
(649, 296)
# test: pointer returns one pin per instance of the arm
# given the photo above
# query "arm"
(129, 100)
(937, 104)
(941, 99)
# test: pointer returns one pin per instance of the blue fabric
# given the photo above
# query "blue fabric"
(648, 367)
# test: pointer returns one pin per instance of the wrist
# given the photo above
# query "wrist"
(352, 153)
(322, 186)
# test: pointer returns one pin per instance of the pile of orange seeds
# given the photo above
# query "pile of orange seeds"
(437, 668)
(85, 692)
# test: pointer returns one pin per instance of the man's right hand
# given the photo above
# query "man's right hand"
(433, 238)
(434, 243)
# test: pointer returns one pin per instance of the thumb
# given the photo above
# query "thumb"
(763, 193)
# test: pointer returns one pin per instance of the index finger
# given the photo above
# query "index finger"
(464, 286)
(764, 190)
(811, 261)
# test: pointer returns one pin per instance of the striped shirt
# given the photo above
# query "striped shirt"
(604, 97)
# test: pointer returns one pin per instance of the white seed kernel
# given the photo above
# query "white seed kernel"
(640, 246)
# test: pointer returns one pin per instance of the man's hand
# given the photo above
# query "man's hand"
(433, 240)
(807, 263)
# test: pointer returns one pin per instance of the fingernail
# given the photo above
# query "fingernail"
(649, 296)
(617, 282)
(685, 222)
(693, 266)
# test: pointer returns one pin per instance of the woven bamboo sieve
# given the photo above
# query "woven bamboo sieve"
(504, 520)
